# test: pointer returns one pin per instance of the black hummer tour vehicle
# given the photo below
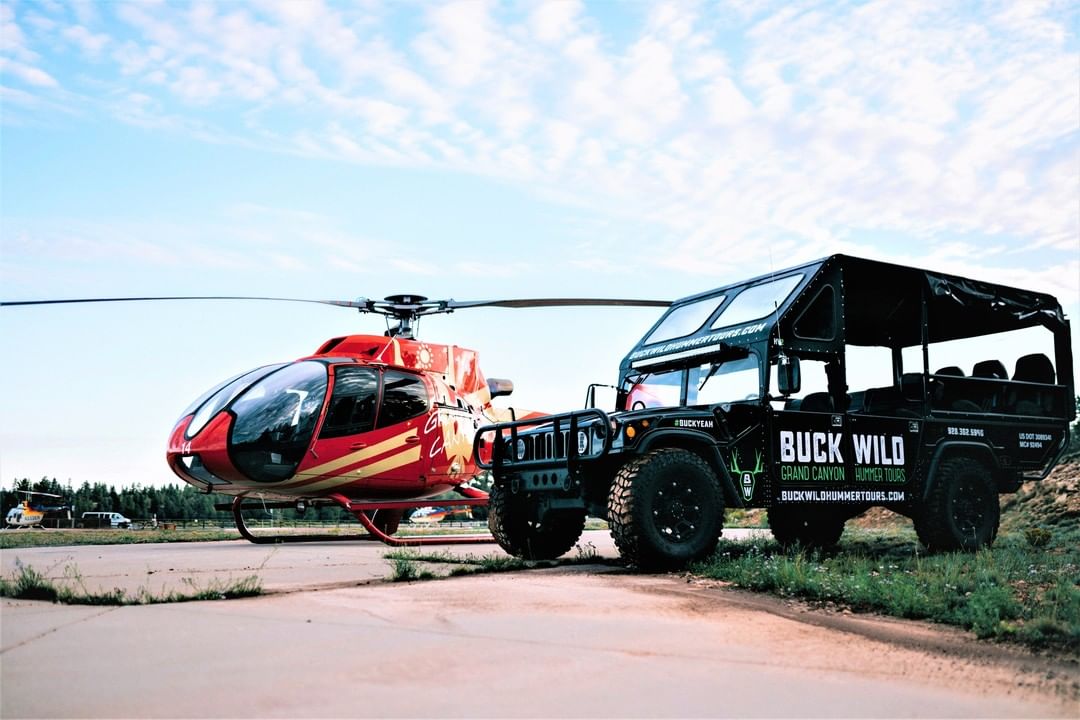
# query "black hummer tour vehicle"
(815, 392)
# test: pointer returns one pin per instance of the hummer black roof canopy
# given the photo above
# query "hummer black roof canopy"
(822, 305)
(956, 307)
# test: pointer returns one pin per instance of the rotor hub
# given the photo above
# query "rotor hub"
(405, 299)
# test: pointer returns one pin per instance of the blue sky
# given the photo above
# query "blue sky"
(484, 150)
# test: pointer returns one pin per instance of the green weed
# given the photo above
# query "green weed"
(26, 583)
(1013, 590)
(52, 538)
(402, 560)
(406, 569)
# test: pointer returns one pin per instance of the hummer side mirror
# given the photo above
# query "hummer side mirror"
(788, 378)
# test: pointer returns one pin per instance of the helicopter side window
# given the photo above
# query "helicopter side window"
(404, 396)
(352, 403)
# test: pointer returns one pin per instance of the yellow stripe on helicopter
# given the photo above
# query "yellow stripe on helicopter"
(376, 468)
(385, 446)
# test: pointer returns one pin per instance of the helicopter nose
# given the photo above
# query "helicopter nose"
(253, 434)
(203, 461)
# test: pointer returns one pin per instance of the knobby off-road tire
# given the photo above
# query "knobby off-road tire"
(510, 521)
(809, 527)
(962, 510)
(665, 509)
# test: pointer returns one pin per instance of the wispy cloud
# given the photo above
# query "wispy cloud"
(745, 130)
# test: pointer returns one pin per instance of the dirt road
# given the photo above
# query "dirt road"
(582, 641)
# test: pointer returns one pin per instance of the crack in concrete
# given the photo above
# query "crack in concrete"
(57, 628)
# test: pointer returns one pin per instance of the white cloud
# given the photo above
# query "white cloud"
(27, 73)
(12, 38)
(460, 45)
(196, 85)
(88, 42)
(821, 122)
(553, 22)
(726, 103)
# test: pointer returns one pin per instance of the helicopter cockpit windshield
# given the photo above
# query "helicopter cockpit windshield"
(275, 421)
(213, 400)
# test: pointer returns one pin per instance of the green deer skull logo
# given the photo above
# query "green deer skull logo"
(747, 478)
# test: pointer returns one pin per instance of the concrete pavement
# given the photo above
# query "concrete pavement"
(559, 643)
(165, 567)
(333, 640)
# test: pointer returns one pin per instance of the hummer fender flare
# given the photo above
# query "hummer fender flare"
(702, 443)
(977, 450)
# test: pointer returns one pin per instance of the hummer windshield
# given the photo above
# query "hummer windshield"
(732, 376)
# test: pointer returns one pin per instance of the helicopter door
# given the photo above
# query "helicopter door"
(342, 448)
(370, 436)
(403, 413)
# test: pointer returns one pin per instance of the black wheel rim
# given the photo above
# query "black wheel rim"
(676, 511)
(969, 507)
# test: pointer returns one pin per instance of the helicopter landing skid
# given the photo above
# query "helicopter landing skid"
(361, 512)
(246, 533)
(415, 541)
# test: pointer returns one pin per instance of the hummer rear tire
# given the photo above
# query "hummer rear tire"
(962, 510)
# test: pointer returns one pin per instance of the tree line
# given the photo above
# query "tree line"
(170, 502)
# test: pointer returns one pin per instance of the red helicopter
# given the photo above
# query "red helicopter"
(375, 424)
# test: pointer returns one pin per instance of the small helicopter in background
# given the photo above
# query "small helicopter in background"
(31, 514)
(374, 424)
(433, 514)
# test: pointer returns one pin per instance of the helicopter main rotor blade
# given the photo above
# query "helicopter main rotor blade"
(361, 304)
(557, 302)
(403, 308)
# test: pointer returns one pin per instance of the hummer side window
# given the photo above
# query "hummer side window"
(814, 385)
(818, 320)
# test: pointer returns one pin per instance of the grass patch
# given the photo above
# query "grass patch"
(13, 539)
(407, 569)
(406, 563)
(1019, 590)
(10, 539)
(27, 583)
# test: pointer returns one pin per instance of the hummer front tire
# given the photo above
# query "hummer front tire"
(510, 521)
(665, 509)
